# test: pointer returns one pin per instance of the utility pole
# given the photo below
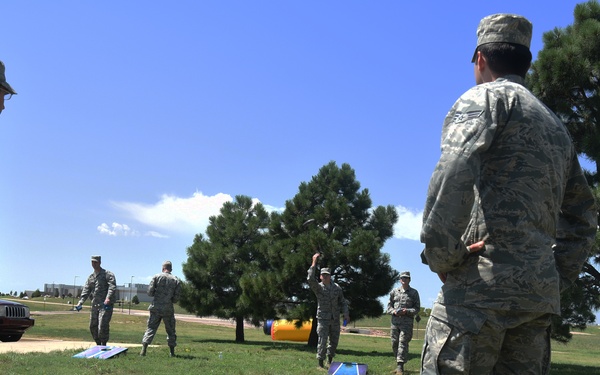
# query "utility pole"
(74, 290)
(130, 287)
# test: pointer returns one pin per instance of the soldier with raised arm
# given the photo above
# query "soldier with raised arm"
(331, 302)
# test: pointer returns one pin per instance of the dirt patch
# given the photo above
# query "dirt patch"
(28, 345)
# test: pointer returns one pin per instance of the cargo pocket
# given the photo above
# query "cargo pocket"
(448, 339)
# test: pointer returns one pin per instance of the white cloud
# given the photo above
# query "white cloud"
(117, 229)
(152, 233)
(172, 213)
(409, 224)
(190, 216)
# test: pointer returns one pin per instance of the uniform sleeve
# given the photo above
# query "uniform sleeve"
(177, 291)
(416, 305)
(152, 287)
(112, 285)
(85, 293)
(577, 225)
(312, 282)
(390, 306)
(468, 131)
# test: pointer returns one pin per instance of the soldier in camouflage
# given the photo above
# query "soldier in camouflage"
(509, 217)
(331, 302)
(404, 305)
(101, 288)
(165, 288)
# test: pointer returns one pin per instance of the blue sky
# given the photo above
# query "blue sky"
(135, 120)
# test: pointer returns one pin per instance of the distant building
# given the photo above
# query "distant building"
(124, 293)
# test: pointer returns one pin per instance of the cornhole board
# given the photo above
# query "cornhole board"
(101, 352)
(347, 368)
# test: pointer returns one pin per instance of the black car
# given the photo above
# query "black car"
(14, 320)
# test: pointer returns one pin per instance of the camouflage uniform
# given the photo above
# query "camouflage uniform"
(330, 299)
(165, 288)
(402, 325)
(99, 287)
(509, 176)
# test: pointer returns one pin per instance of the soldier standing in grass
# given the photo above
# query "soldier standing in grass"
(509, 217)
(330, 300)
(6, 91)
(404, 305)
(165, 288)
(101, 287)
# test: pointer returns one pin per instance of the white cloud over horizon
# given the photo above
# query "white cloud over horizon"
(191, 216)
(116, 229)
(172, 214)
(409, 224)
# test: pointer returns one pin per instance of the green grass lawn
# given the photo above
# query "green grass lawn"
(199, 347)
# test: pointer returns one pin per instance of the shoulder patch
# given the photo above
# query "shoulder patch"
(464, 116)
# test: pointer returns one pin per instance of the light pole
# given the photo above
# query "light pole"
(130, 287)
(74, 290)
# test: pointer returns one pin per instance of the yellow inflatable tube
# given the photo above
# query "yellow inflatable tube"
(286, 330)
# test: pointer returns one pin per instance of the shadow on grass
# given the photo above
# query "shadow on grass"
(267, 346)
(302, 347)
(570, 369)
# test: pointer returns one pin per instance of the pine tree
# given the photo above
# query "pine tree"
(332, 216)
(566, 77)
(216, 264)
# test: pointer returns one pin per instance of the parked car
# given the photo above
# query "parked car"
(14, 320)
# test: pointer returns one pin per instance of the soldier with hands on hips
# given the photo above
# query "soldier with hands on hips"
(404, 305)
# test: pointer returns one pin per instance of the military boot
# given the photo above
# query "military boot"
(400, 368)
(321, 364)
(171, 351)
(144, 348)
(329, 359)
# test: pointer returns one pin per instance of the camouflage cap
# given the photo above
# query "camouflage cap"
(3, 82)
(167, 264)
(325, 270)
(405, 274)
(503, 28)
(96, 258)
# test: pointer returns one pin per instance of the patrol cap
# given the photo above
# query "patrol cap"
(325, 271)
(3, 82)
(503, 28)
(96, 258)
(405, 274)
(167, 264)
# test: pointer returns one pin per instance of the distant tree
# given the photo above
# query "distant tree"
(330, 215)
(216, 264)
(56, 294)
(15, 293)
(566, 77)
(36, 294)
(21, 295)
